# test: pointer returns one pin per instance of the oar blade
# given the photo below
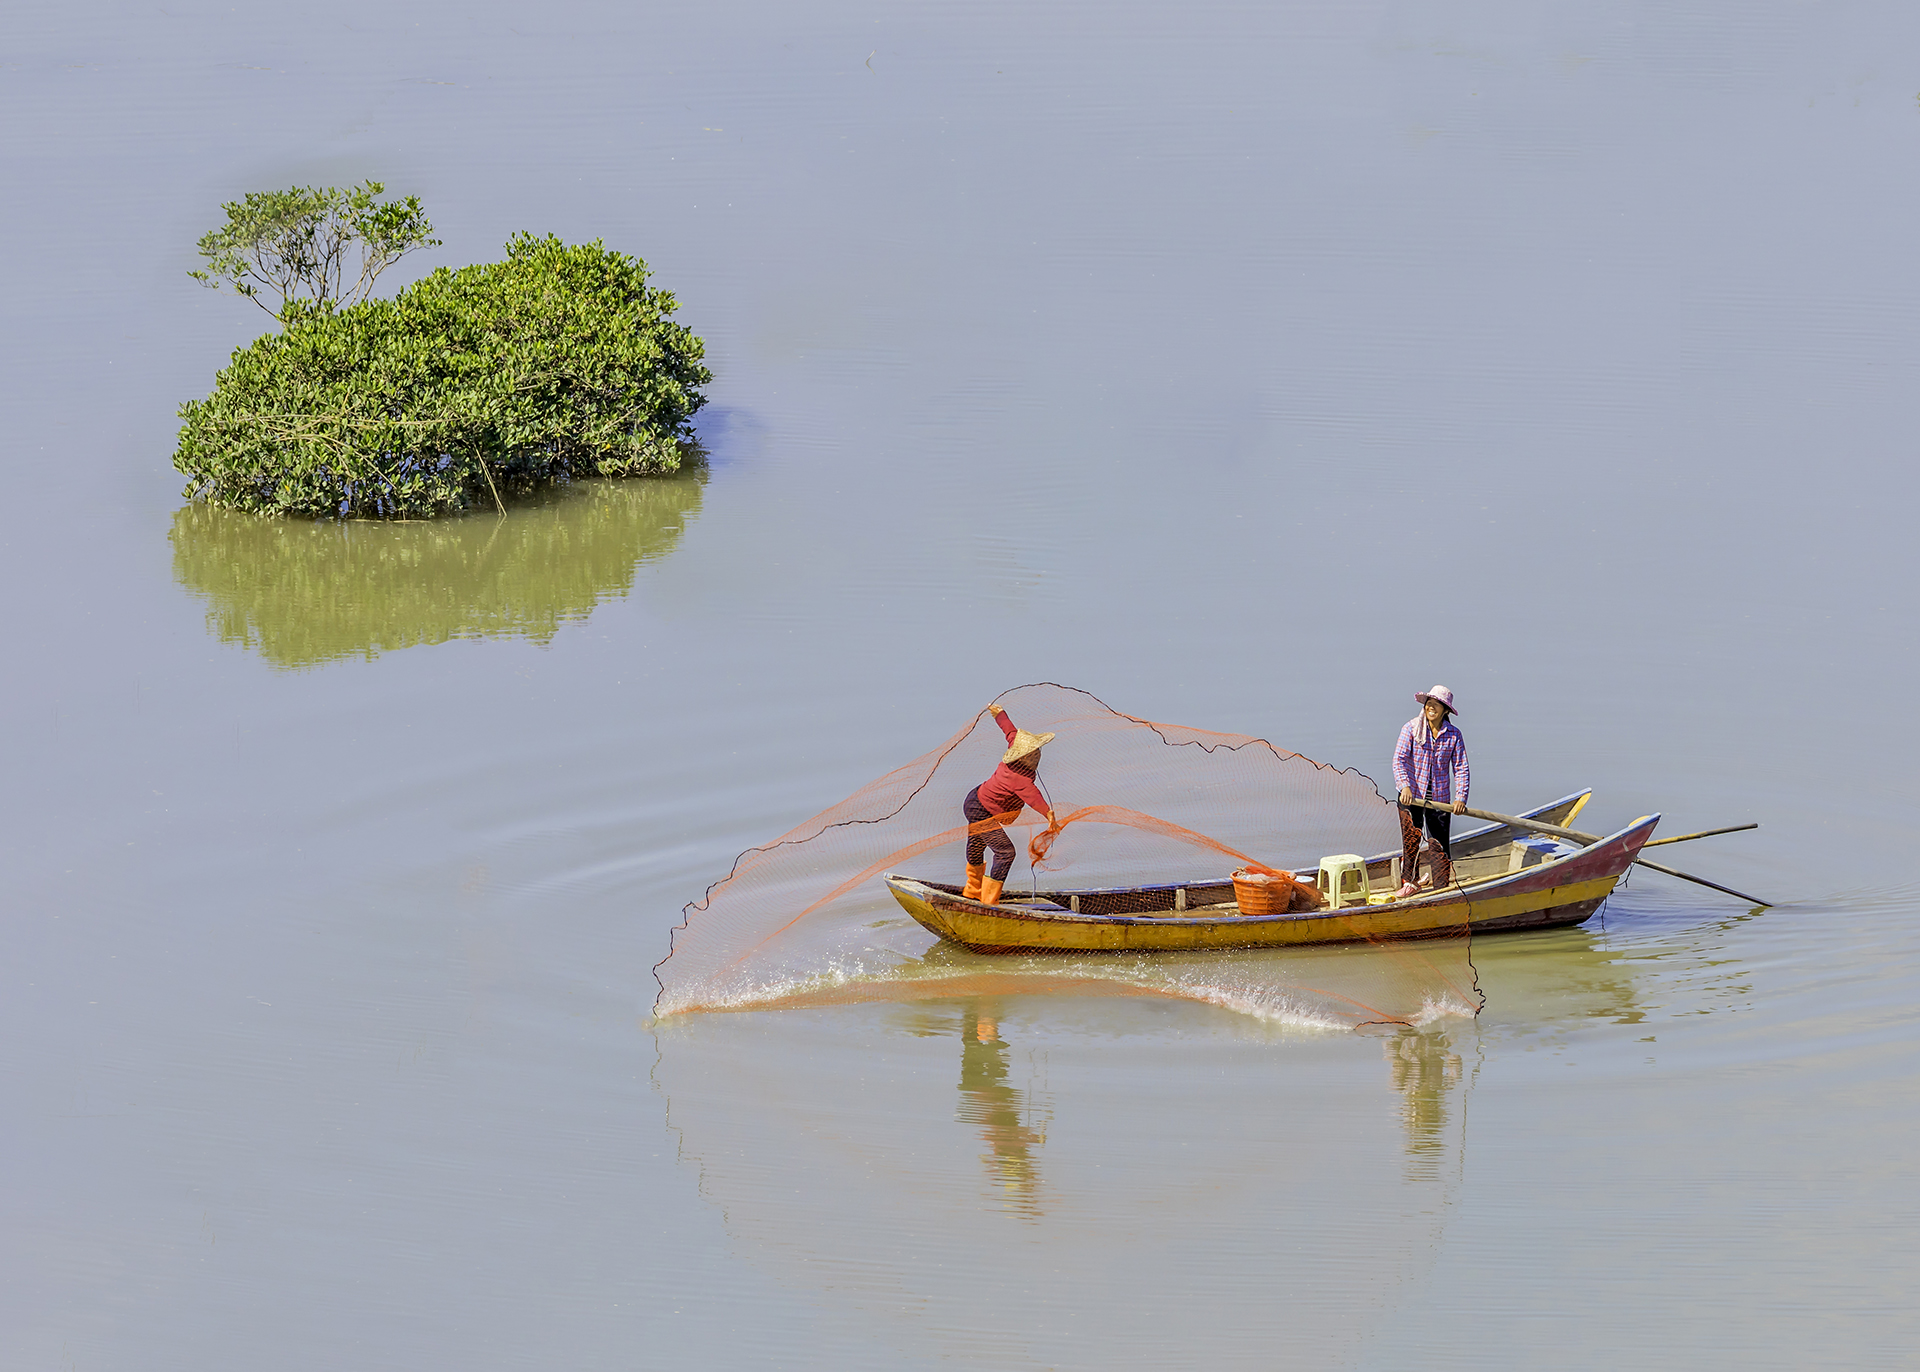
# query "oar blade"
(1702, 881)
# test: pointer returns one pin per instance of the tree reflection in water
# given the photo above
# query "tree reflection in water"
(1002, 1112)
(303, 592)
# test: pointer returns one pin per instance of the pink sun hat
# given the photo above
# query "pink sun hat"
(1439, 693)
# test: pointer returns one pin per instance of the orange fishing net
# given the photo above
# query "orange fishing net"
(807, 918)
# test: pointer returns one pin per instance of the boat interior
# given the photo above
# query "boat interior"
(1495, 850)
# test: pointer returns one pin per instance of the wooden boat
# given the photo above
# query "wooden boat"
(1504, 879)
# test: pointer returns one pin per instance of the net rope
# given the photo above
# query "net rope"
(807, 920)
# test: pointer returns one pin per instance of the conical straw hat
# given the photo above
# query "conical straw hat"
(1024, 743)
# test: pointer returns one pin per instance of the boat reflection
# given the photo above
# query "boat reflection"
(1249, 1162)
(1003, 1113)
(1572, 975)
(304, 592)
(1244, 1163)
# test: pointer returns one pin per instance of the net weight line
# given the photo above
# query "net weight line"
(1515, 821)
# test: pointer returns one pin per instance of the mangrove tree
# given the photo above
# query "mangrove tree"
(558, 363)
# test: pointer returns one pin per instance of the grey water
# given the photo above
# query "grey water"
(1252, 367)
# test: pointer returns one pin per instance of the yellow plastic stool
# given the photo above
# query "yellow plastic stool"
(1343, 879)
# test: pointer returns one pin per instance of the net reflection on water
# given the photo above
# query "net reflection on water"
(303, 592)
(1332, 987)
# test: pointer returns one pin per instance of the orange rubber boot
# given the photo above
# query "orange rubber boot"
(990, 891)
(974, 875)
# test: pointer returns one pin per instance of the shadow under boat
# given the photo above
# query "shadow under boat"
(1504, 879)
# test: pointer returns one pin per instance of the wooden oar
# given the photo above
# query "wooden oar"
(1517, 822)
(1702, 881)
(1704, 833)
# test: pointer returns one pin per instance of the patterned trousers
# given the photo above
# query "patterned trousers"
(1439, 825)
(996, 839)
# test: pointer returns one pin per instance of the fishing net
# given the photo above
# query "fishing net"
(808, 920)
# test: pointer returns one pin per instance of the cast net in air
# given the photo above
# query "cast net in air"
(807, 919)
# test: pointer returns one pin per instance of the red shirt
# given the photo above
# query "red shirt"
(1006, 791)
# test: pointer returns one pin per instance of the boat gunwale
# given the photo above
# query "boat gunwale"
(946, 888)
(1479, 888)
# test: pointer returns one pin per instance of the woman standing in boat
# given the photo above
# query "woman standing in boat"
(1002, 797)
(1430, 763)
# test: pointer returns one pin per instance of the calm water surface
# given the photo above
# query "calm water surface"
(1249, 366)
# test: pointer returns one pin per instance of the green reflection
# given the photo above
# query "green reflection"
(1002, 1112)
(301, 593)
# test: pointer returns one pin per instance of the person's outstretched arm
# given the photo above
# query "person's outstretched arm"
(1023, 785)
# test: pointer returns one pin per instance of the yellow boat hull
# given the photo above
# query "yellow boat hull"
(1566, 890)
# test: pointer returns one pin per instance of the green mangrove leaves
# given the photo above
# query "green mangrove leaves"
(297, 242)
(559, 363)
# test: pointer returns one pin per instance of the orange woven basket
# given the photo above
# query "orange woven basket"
(1257, 893)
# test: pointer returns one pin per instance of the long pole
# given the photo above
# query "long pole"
(1578, 837)
(1704, 833)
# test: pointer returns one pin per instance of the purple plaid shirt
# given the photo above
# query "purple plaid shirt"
(1431, 765)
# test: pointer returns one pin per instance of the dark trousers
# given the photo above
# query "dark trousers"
(996, 839)
(1438, 824)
